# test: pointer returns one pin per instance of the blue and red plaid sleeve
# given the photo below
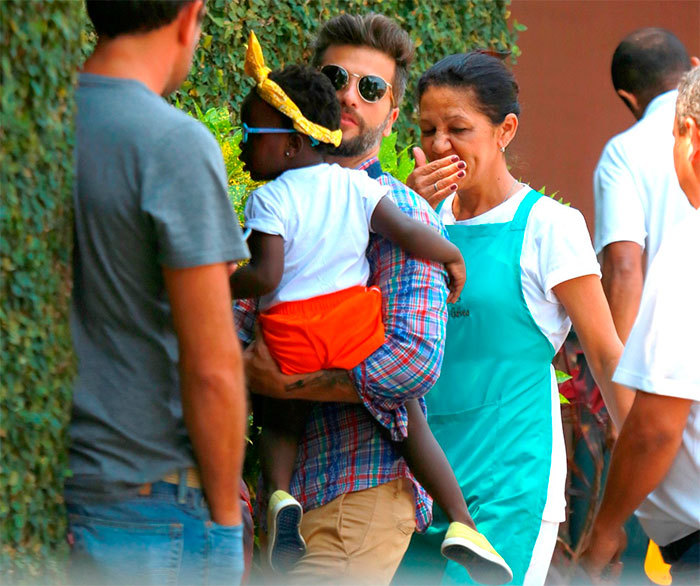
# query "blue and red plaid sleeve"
(414, 295)
(245, 312)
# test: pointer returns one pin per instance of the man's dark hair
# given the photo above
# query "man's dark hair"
(375, 31)
(649, 62)
(113, 18)
(492, 84)
(312, 92)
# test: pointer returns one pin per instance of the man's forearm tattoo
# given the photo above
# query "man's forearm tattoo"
(326, 378)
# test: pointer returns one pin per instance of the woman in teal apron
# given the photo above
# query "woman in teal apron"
(529, 264)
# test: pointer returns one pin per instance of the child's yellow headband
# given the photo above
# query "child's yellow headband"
(274, 95)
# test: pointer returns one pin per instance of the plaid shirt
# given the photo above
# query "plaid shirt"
(343, 449)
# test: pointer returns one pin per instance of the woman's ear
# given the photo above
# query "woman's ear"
(507, 130)
(295, 142)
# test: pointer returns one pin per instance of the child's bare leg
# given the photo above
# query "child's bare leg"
(431, 468)
(283, 423)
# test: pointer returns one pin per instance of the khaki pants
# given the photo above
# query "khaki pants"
(358, 538)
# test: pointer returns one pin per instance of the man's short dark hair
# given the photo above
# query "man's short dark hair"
(113, 18)
(375, 31)
(649, 62)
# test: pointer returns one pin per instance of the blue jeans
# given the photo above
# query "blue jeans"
(167, 537)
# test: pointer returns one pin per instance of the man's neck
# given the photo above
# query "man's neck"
(354, 162)
(123, 58)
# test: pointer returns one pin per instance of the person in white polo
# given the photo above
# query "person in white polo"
(637, 197)
(655, 466)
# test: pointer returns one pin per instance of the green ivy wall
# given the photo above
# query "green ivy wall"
(40, 49)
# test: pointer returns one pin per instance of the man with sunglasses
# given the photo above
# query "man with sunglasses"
(361, 502)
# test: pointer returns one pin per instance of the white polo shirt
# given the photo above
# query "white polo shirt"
(662, 356)
(637, 196)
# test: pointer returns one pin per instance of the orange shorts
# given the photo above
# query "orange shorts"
(337, 330)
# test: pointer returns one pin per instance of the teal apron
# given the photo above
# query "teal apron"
(491, 408)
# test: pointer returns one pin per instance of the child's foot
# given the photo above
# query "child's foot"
(471, 549)
(285, 545)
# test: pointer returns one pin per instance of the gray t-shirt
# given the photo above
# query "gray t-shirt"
(150, 193)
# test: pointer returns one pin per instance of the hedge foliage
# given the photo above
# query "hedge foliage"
(40, 48)
(287, 27)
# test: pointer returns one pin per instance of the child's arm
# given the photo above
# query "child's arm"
(420, 241)
(264, 271)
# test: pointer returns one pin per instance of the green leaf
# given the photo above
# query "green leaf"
(562, 377)
(387, 152)
(405, 167)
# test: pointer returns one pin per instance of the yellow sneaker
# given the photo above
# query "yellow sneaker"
(471, 549)
(285, 545)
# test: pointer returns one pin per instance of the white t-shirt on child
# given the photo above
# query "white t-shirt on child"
(323, 213)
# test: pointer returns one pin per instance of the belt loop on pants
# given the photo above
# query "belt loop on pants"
(182, 486)
(188, 476)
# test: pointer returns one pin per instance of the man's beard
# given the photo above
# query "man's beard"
(366, 139)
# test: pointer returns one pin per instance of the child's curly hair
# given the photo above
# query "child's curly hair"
(314, 95)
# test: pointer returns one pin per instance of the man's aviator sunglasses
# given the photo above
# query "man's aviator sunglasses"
(248, 130)
(370, 87)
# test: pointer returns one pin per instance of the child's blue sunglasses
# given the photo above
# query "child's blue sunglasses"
(253, 130)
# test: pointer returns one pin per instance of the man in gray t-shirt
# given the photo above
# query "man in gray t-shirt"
(159, 406)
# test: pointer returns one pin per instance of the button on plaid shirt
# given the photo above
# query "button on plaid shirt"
(343, 449)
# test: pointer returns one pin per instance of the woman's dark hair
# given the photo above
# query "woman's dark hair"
(491, 82)
(114, 18)
(312, 92)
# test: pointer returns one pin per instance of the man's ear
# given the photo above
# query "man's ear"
(630, 101)
(694, 61)
(393, 115)
(693, 131)
(188, 22)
